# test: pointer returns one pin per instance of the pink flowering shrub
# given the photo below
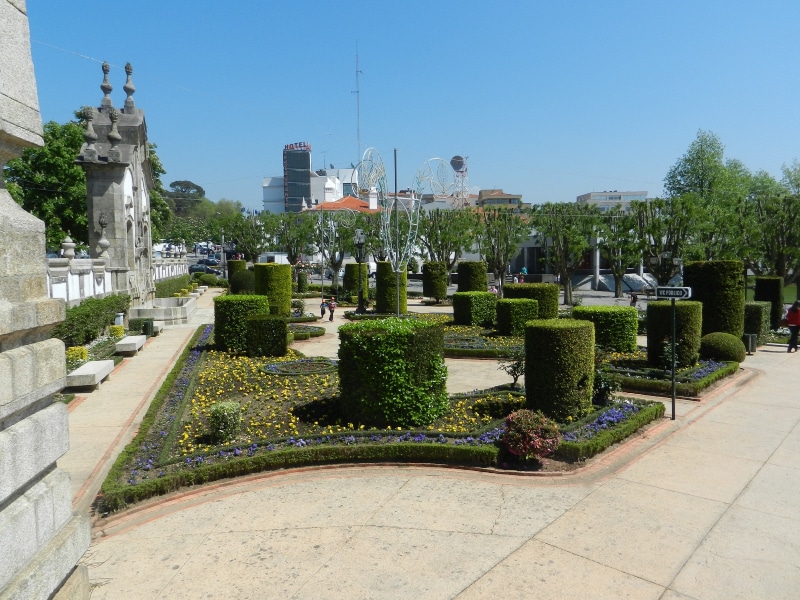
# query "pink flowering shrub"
(529, 434)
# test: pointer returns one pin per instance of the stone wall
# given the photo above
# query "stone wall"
(40, 537)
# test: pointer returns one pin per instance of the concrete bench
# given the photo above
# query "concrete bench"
(90, 374)
(158, 327)
(130, 344)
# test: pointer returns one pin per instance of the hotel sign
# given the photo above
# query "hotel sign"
(298, 146)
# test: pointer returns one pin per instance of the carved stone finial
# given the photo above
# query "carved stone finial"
(68, 247)
(113, 136)
(89, 136)
(102, 243)
(129, 89)
(106, 87)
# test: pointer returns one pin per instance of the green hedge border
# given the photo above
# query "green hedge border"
(664, 388)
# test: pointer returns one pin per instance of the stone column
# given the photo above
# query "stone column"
(41, 538)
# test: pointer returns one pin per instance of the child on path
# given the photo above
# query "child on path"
(322, 307)
(331, 307)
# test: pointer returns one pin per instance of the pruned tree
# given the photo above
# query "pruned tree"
(499, 231)
(619, 244)
(444, 235)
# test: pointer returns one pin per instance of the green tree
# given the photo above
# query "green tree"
(184, 196)
(619, 244)
(444, 235)
(48, 183)
(291, 233)
(498, 233)
(570, 227)
(663, 228)
(160, 212)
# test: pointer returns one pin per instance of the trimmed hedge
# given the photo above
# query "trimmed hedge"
(350, 280)
(719, 285)
(243, 282)
(722, 346)
(267, 335)
(615, 327)
(392, 372)
(559, 367)
(513, 313)
(230, 319)
(88, 321)
(770, 289)
(663, 387)
(757, 319)
(168, 287)
(474, 308)
(546, 294)
(434, 280)
(274, 281)
(472, 276)
(688, 327)
(385, 289)
(575, 451)
(302, 282)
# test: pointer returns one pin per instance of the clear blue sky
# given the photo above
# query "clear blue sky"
(548, 99)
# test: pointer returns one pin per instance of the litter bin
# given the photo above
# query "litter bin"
(119, 319)
(147, 327)
(750, 342)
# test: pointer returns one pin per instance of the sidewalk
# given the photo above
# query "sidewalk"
(703, 507)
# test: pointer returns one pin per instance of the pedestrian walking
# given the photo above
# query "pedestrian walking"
(634, 299)
(322, 308)
(793, 323)
(331, 308)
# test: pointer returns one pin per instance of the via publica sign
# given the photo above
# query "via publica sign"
(298, 146)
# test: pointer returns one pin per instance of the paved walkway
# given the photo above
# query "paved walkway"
(703, 507)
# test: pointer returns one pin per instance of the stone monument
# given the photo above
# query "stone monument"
(115, 156)
(41, 538)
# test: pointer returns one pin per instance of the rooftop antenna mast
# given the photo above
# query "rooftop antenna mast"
(357, 92)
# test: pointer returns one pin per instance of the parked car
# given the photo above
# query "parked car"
(198, 268)
(211, 262)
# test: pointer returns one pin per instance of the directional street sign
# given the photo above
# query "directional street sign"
(669, 293)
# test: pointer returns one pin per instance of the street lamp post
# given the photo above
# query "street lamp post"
(359, 239)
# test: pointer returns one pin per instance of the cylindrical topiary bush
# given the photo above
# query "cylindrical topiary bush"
(615, 327)
(757, 319)
(770, 289)
(242, 282)
(546, 294)
(474, 308)
(230, 320)
(267, 335)
(472, 276)
(392, 372)
(513, 313)
(386, 289)
(559, 367)
(434, 280)
(275, 282)
(719, 285)
(722, 346)
(302, 282)
(688, 325)
(350, 281)
(235, 266)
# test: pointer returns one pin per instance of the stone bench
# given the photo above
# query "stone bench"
(130, 344)
(158, 327)
(90, 374)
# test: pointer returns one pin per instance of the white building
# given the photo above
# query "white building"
(327, 185)
(605, 201)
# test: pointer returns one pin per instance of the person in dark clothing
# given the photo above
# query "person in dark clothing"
(793, 322)
(331, 307)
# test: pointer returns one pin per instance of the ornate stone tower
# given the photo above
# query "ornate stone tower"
(40, 536)
(115, 156)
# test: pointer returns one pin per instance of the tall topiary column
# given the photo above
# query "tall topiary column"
(434, 280)
(546, 294)
(688, 328)
(472, 276)
(474, 308)
(719, 285)
(386, 290)
(275, 282)
(392, 372)
(350, 281)
(770, 289)
(513, 313)
(559, 367)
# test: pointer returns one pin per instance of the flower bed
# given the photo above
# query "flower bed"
(289, 417)
(475, 342)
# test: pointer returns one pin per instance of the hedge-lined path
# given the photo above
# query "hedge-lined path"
(702, 507)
